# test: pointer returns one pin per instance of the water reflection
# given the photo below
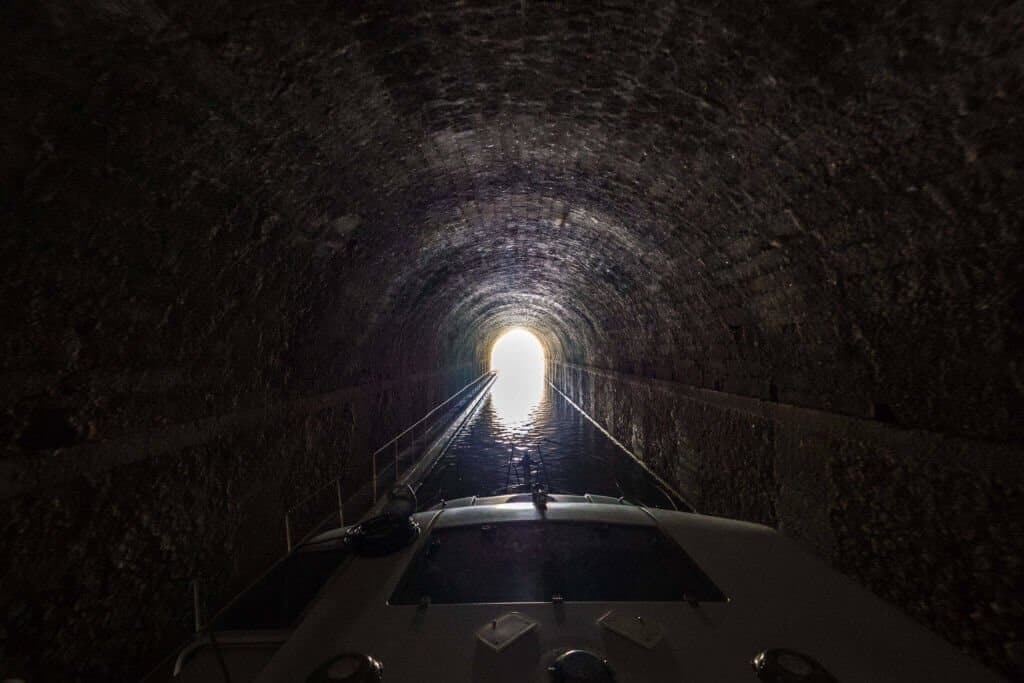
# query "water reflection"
(553, 445)
(515, 399)
(518, 357)
(526, 434)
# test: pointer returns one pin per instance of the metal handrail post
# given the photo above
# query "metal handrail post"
(434, 410)
(374, 477)
(199, 605)
(196, 606)
(423, 423)
(341, 505)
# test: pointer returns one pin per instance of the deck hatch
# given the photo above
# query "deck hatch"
(537, 560)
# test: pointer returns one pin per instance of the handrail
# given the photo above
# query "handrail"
(413, 426)
(315, 492)
(432, 411)
(341, 509)
(663, 485)
(336, 481)
(198, 617)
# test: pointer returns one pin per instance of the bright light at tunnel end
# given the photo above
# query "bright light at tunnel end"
(518, 352)
(518, 358)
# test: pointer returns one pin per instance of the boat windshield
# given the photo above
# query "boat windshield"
(542, 561)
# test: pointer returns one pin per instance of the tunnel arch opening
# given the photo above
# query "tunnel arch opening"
(520, 361)
(518, 350)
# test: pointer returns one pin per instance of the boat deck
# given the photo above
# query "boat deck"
(760, 591)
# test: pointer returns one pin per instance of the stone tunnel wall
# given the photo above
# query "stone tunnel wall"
(101, 541)
(208, 208)
(179, 363)
(907, 513)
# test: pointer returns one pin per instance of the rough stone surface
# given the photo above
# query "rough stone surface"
(98, 569)
(212, 207)
(931, 524)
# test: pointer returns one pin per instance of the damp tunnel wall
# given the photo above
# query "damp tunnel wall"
(773, 249)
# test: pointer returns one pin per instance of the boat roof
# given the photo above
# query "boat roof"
(773, 595)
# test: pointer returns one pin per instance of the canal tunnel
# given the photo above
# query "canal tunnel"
(773, 250)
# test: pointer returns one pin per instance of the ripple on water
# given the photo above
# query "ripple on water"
(551, 443)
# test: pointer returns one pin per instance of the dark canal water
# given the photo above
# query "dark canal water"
(527, 433)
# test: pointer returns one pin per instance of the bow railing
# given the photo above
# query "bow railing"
(392, 447)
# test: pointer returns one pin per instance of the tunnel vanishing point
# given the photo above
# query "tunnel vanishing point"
(773, 248)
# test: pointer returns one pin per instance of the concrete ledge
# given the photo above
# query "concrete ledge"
(1007, 459)
(24, 474)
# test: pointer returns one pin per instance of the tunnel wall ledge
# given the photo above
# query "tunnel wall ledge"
(930, 522)
(1004, 459)
(22, 474)
(92, 531)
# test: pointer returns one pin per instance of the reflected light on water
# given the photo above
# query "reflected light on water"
(518, 358)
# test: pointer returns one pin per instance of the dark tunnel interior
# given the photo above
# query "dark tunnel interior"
(775, 248)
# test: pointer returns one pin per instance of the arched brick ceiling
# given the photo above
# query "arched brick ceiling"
(817, 201)
(246, 240)
(726, 194)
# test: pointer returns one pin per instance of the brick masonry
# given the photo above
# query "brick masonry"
(211, 207)
(930, 523)
(99, 557)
